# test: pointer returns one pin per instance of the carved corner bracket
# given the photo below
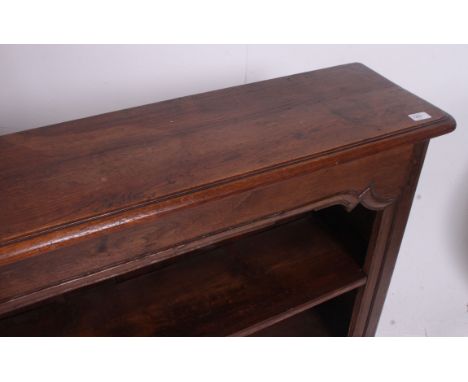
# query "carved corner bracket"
(349, 200)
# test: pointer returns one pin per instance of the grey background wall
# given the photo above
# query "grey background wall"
(41, 85)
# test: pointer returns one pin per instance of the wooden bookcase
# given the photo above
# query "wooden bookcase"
(270, 209)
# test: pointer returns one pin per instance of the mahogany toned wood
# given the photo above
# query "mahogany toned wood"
(383, 251)
(328, 319)
(238, 288)
(157, 239)
(101, 197)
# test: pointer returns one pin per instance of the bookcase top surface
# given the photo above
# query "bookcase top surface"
(73, 171)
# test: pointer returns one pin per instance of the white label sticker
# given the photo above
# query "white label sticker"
(419, 116)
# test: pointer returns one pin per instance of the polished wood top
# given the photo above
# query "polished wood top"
(59, 175)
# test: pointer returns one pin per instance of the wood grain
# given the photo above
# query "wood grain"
(29, 274)
(383, 251)
(87, 202)
(99, 165)
(241, 287)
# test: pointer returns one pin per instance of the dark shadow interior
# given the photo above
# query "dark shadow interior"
(221, 290)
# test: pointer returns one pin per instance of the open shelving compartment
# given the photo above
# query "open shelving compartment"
(298, 277)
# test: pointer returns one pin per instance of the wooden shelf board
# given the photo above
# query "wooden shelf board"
(305, 324)
(240, 287)
(330, 319)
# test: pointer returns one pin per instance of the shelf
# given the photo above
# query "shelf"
(329, 319)
(238, 288)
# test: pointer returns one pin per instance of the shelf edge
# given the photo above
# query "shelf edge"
(300, 308)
